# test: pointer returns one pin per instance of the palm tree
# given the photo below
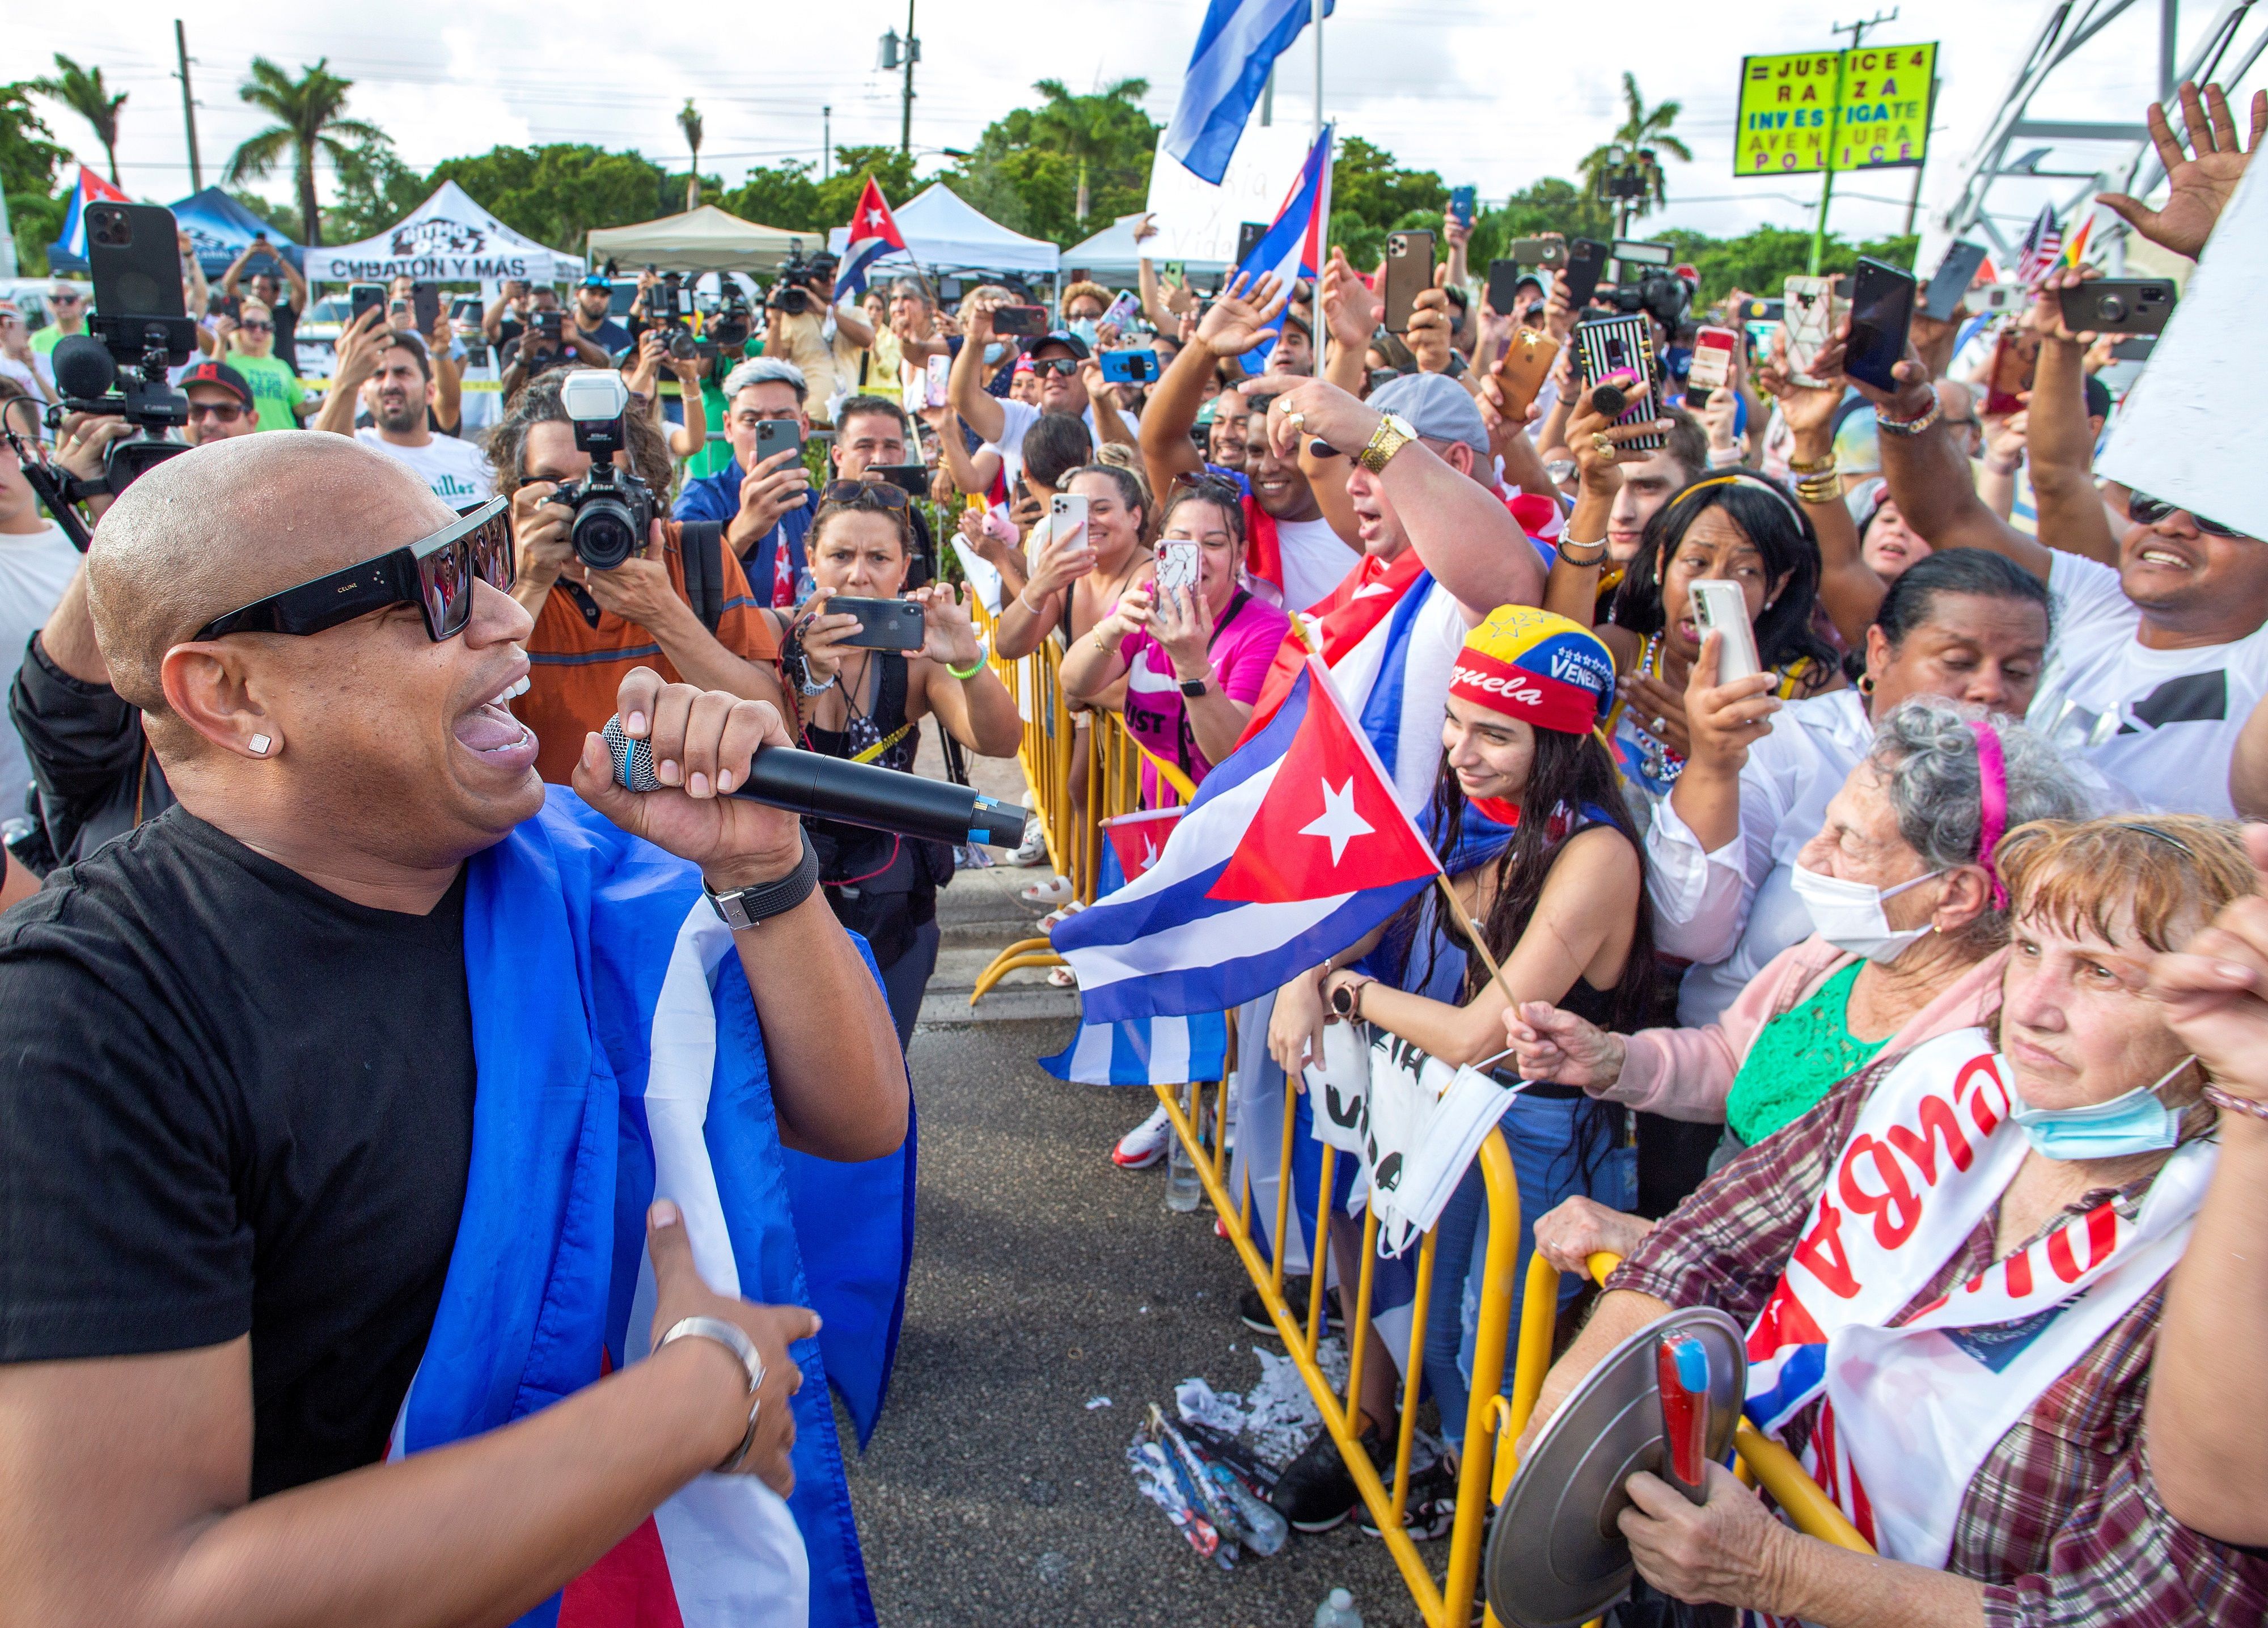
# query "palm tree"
(688, 119)
(307, 111)
(83, 91)
(1082, 125)
(1644, 133)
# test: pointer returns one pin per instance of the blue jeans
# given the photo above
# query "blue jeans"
(1543, 1135)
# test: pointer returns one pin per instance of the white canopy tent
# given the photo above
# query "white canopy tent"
(950, 238)
(447, 238)
(701, 239)
(1110, 254)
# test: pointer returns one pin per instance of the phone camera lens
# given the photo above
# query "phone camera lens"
(2113, 308)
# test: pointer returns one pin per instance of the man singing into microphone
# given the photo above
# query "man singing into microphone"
(396, 1157)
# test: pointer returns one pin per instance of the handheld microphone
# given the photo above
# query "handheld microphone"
(812, 782)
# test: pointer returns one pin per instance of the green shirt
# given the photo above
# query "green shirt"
(48, 338)
(1796, 1059)
(276, 390)
(716, 452)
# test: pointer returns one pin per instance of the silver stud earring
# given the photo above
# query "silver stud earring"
(260, 744)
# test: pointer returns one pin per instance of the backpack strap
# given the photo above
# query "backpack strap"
(701, 544)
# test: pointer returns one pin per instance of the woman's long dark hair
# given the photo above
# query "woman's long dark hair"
(1571, 770)
(1783, 535)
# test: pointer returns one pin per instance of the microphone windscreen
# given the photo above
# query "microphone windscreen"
(633, 760)
(84, 366)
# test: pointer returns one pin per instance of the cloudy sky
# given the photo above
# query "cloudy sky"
(1481, 91)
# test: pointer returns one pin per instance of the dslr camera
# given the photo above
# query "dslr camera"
(729, 324)
(664, 304)
(1662, 295)
(141, 327)
(793, 295)
(614, 509)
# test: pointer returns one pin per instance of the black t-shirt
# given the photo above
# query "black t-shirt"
(232, 1102)
(287, 336)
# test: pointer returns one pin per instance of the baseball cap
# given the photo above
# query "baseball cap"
(1537, 665)
(1060, 336)
(222, 374)
(1437, 407)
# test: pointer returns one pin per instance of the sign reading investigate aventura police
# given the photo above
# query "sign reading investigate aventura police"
(1789, 110)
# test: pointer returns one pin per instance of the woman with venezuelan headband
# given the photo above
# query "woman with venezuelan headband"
(1542, 855)
(1738, 526)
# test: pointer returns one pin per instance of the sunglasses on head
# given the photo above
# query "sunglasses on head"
(864, 495)
(1063, 365)
(435, 573)
(2145, 511)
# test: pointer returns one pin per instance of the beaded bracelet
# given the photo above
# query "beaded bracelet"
(2246, 1106)
(1908, 426)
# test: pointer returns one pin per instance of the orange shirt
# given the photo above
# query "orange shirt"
(576, 666)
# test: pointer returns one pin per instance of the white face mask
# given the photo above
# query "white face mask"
(1849, 914)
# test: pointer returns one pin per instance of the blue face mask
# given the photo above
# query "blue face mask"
(2135, 1122)
(994, 352)
(1084, 326)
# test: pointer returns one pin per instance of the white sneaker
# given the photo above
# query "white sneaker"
(1145, 1144)
(1034, 850)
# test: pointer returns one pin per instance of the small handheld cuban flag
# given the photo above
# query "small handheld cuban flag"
(1292, 247)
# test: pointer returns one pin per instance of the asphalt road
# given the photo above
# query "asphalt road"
(1043, 1277)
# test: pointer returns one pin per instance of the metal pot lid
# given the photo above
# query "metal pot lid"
(1556, 1557)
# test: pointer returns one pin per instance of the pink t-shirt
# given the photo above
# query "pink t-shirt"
(1156, 715)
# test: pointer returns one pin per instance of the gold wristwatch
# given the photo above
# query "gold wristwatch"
(1394, 433)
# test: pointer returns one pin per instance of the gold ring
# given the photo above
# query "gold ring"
(1297, 419)
(1602, 443)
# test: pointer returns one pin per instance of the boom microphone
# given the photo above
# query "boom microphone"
(812, 782)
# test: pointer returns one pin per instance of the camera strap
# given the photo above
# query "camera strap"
(700, 545)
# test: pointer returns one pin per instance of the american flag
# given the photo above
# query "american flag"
(2043, 244)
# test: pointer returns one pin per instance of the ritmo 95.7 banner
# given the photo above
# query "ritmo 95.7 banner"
(1867, 110)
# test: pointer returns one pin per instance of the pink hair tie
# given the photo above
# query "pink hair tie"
(1993, 790)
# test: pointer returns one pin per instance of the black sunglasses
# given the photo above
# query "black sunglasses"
(1063, 365)
(864, 495)
(2145, 511)
(435, 573)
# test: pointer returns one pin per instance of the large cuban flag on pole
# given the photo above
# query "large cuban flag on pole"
(1237, 45)
(1293, 848)
(1292, 247)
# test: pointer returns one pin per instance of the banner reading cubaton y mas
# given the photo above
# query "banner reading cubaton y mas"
(1791, 112)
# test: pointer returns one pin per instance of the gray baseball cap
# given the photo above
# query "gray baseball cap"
(1437, 407)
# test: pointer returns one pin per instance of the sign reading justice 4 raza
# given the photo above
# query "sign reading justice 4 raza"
(1789, 110)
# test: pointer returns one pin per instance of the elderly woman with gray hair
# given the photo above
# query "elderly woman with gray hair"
(1911, 940)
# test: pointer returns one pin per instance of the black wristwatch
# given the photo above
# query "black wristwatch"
(744, 907)
(1193, 687)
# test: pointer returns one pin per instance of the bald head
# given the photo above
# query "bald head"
(233, 521)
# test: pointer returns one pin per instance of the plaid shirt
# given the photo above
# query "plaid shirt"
(2062, 1522)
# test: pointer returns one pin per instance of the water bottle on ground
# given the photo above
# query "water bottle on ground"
(1182, 1188)
(1338, 1611)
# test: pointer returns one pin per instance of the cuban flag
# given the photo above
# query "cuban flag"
(873, 233)
(1142, 1052)
(619, 1057)
(91, 188)
(1293, 848)
(1293, 247)
(1238, 43)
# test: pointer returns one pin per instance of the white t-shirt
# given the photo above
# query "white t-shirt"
(2159, 724)
(1316, 560)
(1017, 419)
(456, 470)
(36, 568)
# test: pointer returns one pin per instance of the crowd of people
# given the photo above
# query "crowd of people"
(1906, 997)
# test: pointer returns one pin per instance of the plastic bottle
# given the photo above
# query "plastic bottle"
(1338, 1611)
(1182, 1188)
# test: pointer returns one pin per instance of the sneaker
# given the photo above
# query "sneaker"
(1255, 1313)
(1314, 1493)
(1145, 1144)
(1430, 1508)
(1034, 849)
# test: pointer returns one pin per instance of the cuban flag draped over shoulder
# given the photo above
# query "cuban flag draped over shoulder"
(1142, 1052)
(1292, 247)
(873, 233)
(91, 188)
(619, 1057)
(1294, 847)
(1238, 43)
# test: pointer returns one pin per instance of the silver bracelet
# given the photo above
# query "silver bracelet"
(740, 1345)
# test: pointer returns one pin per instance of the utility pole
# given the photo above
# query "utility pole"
(826, 142)
(1858, 32)
(913, 55)
(188, 106)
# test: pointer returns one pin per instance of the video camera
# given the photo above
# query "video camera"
(1662, 295)
(140, 327)
(614, 509)
(663, 303)
(791, 295)
(729, 324)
